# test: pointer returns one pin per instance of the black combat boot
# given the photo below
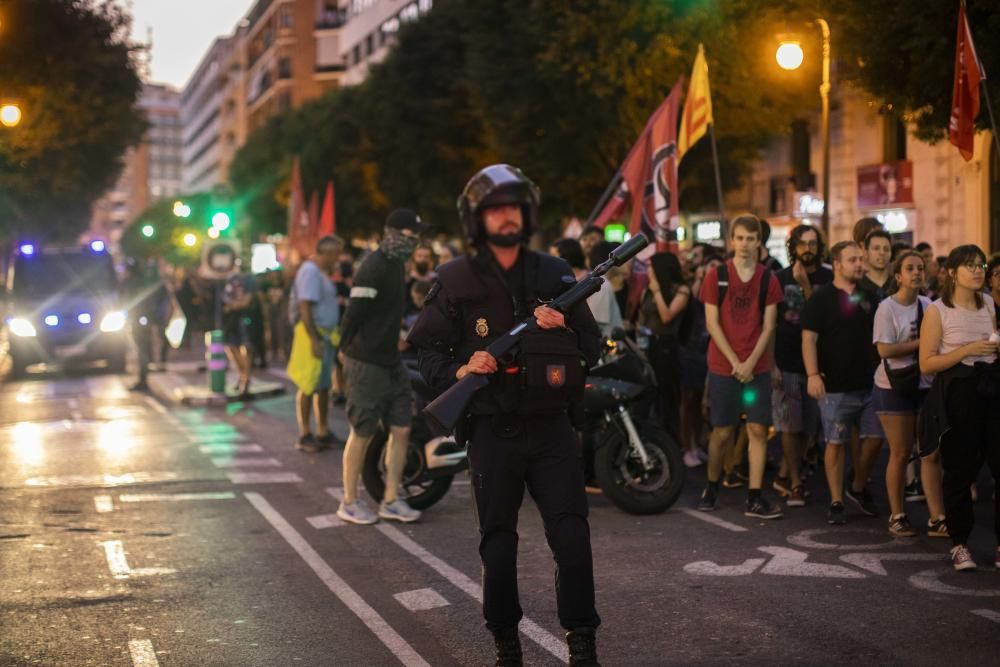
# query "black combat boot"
(508, 647)
(582, 648)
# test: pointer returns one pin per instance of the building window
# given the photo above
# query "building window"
(285, 68)
(356, 54)
(801, 173)
(893, 138)
(285, 17)
(369, 45)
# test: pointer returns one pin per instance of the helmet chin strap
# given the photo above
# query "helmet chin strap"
(505, 240)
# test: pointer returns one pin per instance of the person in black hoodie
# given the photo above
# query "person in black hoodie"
(376, 382)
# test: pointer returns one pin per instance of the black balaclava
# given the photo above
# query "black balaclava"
(397, 246)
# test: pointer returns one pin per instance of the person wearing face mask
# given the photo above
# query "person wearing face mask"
(421, 269)
(376, 383)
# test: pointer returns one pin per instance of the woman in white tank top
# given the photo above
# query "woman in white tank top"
(959, 332)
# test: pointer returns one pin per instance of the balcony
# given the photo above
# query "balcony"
(331, 19)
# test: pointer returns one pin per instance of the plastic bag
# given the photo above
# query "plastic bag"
(303, 368)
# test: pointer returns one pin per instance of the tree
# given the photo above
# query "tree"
(68, 64)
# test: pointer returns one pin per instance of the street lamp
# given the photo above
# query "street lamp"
(789, 56)
(10, 115)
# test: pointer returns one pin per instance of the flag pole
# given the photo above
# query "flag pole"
(989, 110)
(608, 192)
(718, 181)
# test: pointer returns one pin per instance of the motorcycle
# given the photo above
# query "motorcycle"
(637, 464)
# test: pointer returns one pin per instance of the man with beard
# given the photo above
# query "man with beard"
(519, 428)
(795, 412)
(376, 382)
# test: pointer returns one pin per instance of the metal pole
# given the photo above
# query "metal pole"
(608, 192)
(718, 184)
(824, 94)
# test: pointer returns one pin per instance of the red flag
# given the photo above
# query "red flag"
(965, 94)
(300, 239)
(327, 219)
(314, 212)
(649, 176)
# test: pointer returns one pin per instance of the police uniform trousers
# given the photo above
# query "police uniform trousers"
(541, 453)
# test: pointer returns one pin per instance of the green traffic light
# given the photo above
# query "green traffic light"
(148, 231)
(221, 221)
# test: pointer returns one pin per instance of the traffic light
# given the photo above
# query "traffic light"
(181, 210)
(221, 220)
(148, 231)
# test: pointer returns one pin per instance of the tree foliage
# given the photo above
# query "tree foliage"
(69, 66)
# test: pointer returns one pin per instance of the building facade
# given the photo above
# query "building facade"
(371, 29)
(201, 110)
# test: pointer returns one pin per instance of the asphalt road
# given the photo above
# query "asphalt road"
(137, 534)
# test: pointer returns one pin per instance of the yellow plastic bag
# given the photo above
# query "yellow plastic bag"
(303, 368)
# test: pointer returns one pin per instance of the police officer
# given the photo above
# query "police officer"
(519, 428)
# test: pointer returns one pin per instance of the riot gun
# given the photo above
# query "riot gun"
(444, 412)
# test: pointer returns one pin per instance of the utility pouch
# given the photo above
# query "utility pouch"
(552, 371)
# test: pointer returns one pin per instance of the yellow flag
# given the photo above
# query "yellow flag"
(697, 112)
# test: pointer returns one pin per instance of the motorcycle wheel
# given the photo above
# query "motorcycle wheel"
(419, 491)
(627, 484)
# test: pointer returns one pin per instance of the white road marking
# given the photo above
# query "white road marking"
(528, 628)
(392, 640)
(103, 504)
(873, 562)
(155, 404)
(804, 539)
(173, 497)
(225, 448)
(930, 580)
(114, 551)
(988, 614)
(325, 521)
(792, 563)
(245, 462)
(712, 519)
(263, 477)
(421, 599)
(142, 653)
(707, 568)
(102, 480)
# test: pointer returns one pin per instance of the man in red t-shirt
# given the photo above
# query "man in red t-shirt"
(741, 321)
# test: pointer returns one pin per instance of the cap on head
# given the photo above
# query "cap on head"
(497, 185)
(404, 218)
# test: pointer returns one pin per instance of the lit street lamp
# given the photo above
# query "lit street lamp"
(789, 56)
(10, 115)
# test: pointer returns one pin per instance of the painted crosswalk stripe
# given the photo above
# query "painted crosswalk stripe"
(142, 653)
(173, 497)
(103, 504)
(263, 477)
(988, 614)
(325, 521)
(392, 640)
(421, 600)
(714, 520)
(114, 551)
(245, 462)
(102, 480)
(221, 448)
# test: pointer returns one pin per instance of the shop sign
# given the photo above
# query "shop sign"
(884, 185)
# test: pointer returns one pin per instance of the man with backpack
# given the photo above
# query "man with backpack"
(741, 300)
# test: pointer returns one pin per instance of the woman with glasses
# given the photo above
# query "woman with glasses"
(958, 343)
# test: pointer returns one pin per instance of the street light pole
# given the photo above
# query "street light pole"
(824, 94)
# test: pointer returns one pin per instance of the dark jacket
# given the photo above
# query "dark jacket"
(369, 330)
(473, 302)
(935, 423)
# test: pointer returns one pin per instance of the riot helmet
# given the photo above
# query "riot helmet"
(498, 185)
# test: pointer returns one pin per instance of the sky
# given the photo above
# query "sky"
(182, 32)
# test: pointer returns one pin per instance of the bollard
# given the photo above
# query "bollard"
(215, 361)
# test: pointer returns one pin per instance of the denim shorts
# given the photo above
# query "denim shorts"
(841, 412)
(794, 410)
(890, 403)
(728, 399)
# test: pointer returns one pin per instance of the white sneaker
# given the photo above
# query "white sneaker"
(398, 510)
(692, 460)
(358, 513)
(961, 559)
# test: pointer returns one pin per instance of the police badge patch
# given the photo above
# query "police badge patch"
(482, 328)
(555, 374)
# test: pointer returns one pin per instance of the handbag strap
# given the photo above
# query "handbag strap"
(920, 319)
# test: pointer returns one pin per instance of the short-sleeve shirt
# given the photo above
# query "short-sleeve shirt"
(845, 324)
(896, 323)
(312, 285)
(788, 337)
(739, 316)
(960, 327)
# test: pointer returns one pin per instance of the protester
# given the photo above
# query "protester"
(605, 304)
(377, 383)
(958, 343)
(238, 313)
(421, 268)
(993, 281)
(840, 362)
(741, 327)
(863, 227)
(661, 308)
(878, 273)
(591, 236)
(144, 290)
(765, 254)
(314, 302)
(694, 340)
(446, 253)
(896, 336)
(796, 414)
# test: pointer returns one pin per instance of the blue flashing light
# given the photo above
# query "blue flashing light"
(27, 249)
(97, 246)
(84, 318)
(52, 320)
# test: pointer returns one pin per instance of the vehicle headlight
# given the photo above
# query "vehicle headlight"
(21, 327)
(113, 321)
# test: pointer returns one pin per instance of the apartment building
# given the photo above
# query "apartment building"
(371, 29)
(201, 109)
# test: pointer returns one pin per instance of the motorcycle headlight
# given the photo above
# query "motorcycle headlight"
(113, 321)
(21, 327)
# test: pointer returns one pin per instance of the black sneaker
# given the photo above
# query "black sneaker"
(761, 509)
(863, 500)
(900, 526)
(327, 440)
(732, 480)
(914, 491)
(308, 443)
(837, 516)
(708, 498)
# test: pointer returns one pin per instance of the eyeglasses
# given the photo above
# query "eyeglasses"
(808, 244)
(974, 266)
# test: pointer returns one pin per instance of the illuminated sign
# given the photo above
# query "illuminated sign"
(808, 205)
(709, 230)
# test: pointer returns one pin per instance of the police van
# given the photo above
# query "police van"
(62, 306)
